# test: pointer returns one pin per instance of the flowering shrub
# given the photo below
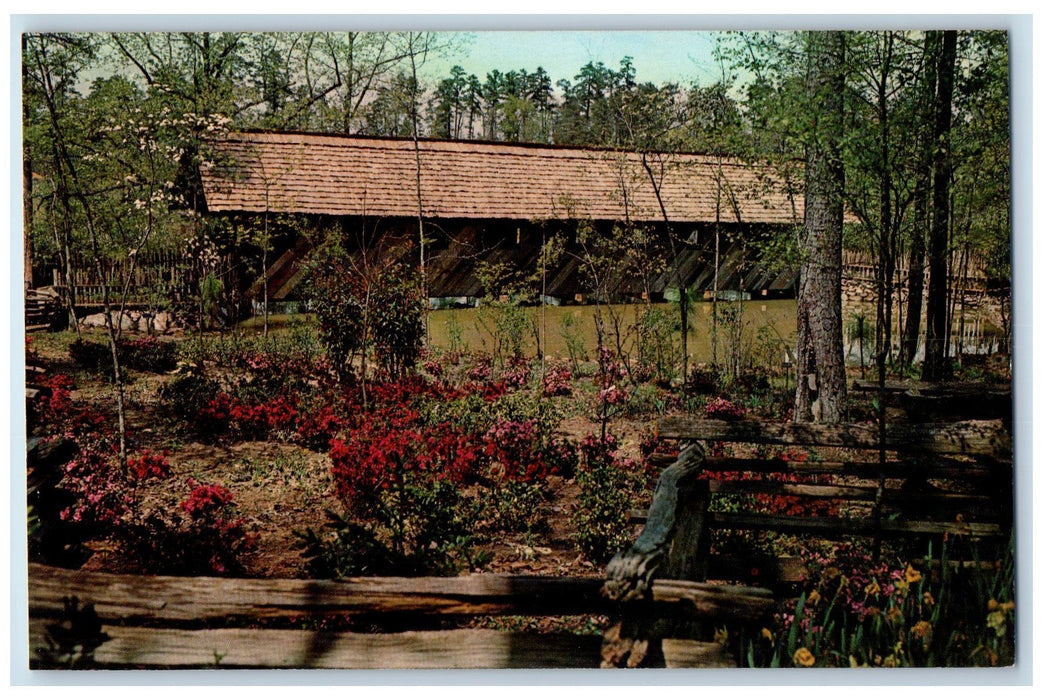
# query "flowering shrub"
(207, 500)
(515, 446)
(102, 498)
(561, 455)
(613, 396)
(558, 381)
(610, 397)
(596, 451)
(401, 477)
(517, 373)
(203, 537)
(525, 454)
(796, 505)
(317, 427)
(482, 370)
(434, 367)
(225, 414)
(723, 409)
(373, 458)
(148, 465)
(148, 354)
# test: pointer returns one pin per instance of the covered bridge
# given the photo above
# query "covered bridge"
(497, 202)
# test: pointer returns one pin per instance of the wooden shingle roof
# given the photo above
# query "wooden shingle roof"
(376, 177)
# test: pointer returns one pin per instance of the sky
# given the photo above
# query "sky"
(659, 56)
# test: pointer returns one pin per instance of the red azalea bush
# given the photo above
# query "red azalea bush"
(777, 504)
(207, 500)
(57, 414)
(794, 505)
(374, 457)
(524, 454)
(205, 537)
(213, 539)
(515, 446)
(317, 427)
(225, 414)
(720, 408)
(149, 465)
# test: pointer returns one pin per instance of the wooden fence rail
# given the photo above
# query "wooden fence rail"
(972, 437)
(192, 622)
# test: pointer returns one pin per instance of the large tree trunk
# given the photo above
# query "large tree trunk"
(821, 379)
(936, 366)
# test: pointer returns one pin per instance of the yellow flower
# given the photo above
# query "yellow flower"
(721, 636)
(766, 634)
(873, 588)
(1007, 607)
(804, 657)
(814, 597)
(997, 620)
(911, 574)
(993, 605)
(921, 630)
(894, 615)
(928, 599)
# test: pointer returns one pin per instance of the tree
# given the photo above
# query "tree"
(921, 194)
(821, 375)
(447, 107)
(936, 366)
(882, 160)
(52, 64)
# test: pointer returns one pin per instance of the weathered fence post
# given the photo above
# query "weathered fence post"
(674, 542)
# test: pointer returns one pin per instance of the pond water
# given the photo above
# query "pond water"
(755, 324)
